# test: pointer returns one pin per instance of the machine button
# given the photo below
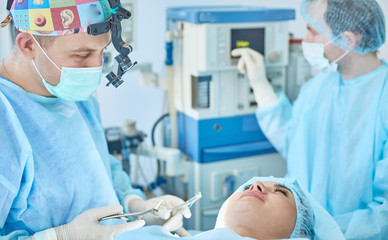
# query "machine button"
(274, 56)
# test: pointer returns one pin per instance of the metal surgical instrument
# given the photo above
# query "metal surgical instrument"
(139, 215)
(188, 203)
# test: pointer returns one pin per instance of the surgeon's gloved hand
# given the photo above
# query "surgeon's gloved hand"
(252, 63)
(86, 226)
(171, 220)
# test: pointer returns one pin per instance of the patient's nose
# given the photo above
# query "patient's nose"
(257, 185)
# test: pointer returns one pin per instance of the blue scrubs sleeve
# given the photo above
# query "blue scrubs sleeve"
(17, 235)
(371, 222)
(274, 121)
(15, 158)
(121, 182)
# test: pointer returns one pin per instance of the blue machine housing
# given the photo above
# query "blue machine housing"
(227, 138)
(220, 139)
(229, 14)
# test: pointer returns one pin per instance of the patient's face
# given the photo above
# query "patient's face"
(264, 210)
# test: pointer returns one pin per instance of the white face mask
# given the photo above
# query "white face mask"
(315, 55)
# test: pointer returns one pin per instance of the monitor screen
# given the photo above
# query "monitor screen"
(249, 38)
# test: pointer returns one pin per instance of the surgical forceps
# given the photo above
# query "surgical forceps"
(139, 215)
(188, 203)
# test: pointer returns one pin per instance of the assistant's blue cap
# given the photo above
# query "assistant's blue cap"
(364, 18)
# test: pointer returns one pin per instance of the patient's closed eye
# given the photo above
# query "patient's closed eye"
(279, 189)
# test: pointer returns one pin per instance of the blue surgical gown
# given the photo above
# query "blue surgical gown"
(159, 233)
(335, 141)
(54, 162)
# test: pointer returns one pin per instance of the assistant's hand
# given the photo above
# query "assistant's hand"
(171, 220)
(252, 64)
(86, 225)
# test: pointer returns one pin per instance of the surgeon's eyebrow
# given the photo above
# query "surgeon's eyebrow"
(86, 49)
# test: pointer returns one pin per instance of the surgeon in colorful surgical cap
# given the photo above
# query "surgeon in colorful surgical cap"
(335, 136)
(56, 175)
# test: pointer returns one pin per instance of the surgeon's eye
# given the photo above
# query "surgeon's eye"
(247, 187)
(83, 56)
(279, 189)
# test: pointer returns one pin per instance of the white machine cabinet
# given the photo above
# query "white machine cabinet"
(217, 127)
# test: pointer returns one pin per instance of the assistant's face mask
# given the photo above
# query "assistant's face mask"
(315, 55)
(76, 84)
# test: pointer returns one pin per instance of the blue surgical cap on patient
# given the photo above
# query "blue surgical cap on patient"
(312, 221)
(332, 18)
(304, 214)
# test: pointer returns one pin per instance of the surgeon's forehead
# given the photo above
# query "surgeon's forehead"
(85, 42)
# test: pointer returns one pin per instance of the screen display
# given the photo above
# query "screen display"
(249, 38)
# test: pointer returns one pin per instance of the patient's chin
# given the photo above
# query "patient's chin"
(256, 229)
(243, 231)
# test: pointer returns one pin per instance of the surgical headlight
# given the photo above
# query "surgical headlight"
(114, 25)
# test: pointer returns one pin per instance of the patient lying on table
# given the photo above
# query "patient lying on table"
(263, 208)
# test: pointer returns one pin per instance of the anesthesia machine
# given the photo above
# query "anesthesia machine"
(215, 105)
